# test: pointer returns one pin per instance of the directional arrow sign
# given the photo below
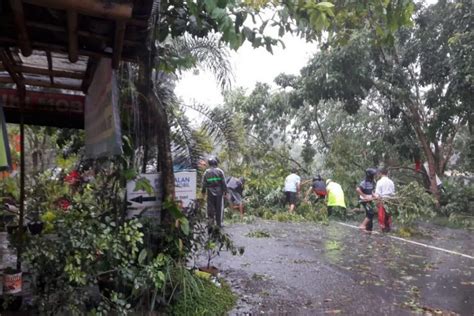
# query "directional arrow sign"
(140, 199)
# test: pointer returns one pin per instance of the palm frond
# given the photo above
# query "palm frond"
(218, 125)
(208, 53)
(189, 145)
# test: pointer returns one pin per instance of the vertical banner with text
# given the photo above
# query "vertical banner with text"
(102, 121)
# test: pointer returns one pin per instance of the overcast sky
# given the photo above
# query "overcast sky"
(249, 66)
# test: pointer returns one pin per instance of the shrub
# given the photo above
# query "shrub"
(457, 197)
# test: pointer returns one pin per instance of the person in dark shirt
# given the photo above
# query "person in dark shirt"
(235, 189)
(213, 183)
(366, 194)
(319, 187)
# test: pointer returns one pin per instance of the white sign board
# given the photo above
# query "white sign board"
(185, 186)
(140, 200)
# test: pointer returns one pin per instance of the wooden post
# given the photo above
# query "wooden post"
(50, 67)
(118, 42)
(23, 39)
(72, 35)
(21, 95)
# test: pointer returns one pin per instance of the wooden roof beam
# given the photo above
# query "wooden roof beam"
(46, 84)
(61, 49)
(81, 33)
(72, 35)
(118, 43)
(8, 64)
(6, 80)
(49, 72)
(23, 38)
(98, 8)
(50, 67)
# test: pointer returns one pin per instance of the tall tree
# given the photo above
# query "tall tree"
(425, 78)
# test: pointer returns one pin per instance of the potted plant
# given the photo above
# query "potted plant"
(12, 287)
(35, 226)
(12, 281)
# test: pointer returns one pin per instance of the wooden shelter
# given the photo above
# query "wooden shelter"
(49, 50)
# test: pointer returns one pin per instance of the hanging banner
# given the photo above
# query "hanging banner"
(5, 157)
(102, 121)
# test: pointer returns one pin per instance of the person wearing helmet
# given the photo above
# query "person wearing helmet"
(319, 187)
(213, 183)
(292, 188)
(335, 198)
(366, 194)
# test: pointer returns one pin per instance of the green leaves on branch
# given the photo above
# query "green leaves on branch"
(143, 184)
(411, 203)
(308, 18)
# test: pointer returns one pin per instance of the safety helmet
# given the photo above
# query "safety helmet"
(213, 161)
(371, 172)
(327, 181)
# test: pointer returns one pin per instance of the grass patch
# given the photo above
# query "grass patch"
(234, 218)
(410, 231)
(258, 277)
(332, 245)
(258, 234)
(209, 300)
(455, 220)
(305, 212)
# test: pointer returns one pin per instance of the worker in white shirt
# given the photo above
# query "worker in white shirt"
(292, 189)
(384, 189)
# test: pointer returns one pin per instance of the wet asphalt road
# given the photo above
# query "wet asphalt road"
(311, 269)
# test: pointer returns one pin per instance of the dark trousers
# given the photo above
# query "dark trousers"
(369, 213)
(214, 208)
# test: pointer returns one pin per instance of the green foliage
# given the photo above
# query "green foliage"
(92, 243)
(231, 20)
(457, 198)
(288, 217)
(457, 203)
(10, 189)
(143, 184)
(411, 203)
(258, 234)
(209, 299)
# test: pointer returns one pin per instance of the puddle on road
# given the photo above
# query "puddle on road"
(313, 269)
(412, 277)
